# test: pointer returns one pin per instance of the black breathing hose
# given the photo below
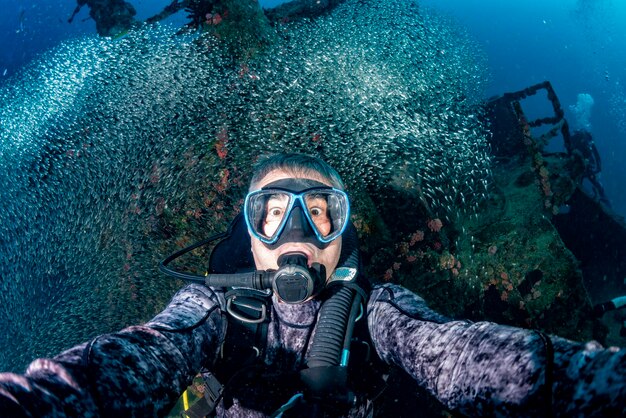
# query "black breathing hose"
(254, 280)
(333, 334)
(330, 333)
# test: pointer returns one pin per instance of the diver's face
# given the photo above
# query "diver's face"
(266, 258)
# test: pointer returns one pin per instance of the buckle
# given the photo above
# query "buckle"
(248, 305)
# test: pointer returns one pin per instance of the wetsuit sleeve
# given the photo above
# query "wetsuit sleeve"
(139, 371)
(486, 369)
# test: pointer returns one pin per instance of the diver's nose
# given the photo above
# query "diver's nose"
(298, 226)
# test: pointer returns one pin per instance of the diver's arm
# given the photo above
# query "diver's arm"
(139, 371)
(485, 369)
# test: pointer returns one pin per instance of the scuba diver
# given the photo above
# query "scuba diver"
(289, 327)
(581, 142)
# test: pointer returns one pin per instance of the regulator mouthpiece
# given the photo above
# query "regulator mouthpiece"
(294, 282)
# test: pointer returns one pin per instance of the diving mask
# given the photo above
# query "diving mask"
(296, 210)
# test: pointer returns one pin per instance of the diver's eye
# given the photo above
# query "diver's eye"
(272, 220)
(275, 213)
(276, 207)
(316, 211)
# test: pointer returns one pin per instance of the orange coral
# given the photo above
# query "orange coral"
(416, 237)
(223, 185)
(434, 225)
(221, 144)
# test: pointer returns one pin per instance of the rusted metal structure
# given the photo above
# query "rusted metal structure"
(587, 226)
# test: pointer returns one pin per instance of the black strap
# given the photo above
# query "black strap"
(261, 338)
(244, 347)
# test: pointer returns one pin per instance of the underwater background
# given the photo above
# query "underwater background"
(578, 45)
(115, 152)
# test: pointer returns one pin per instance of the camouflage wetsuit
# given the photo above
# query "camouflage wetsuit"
(479, 369)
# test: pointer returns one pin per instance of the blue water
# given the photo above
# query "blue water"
(578, 45)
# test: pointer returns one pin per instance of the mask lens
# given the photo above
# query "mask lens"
(327, 211)
(317, 207)
(276, 207)
(266, 212)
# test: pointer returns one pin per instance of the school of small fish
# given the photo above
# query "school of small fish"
(99, 137)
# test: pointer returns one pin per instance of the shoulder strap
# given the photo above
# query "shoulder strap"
(245, 343)
(244, 346)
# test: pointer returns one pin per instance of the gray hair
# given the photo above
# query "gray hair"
(298, 165)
